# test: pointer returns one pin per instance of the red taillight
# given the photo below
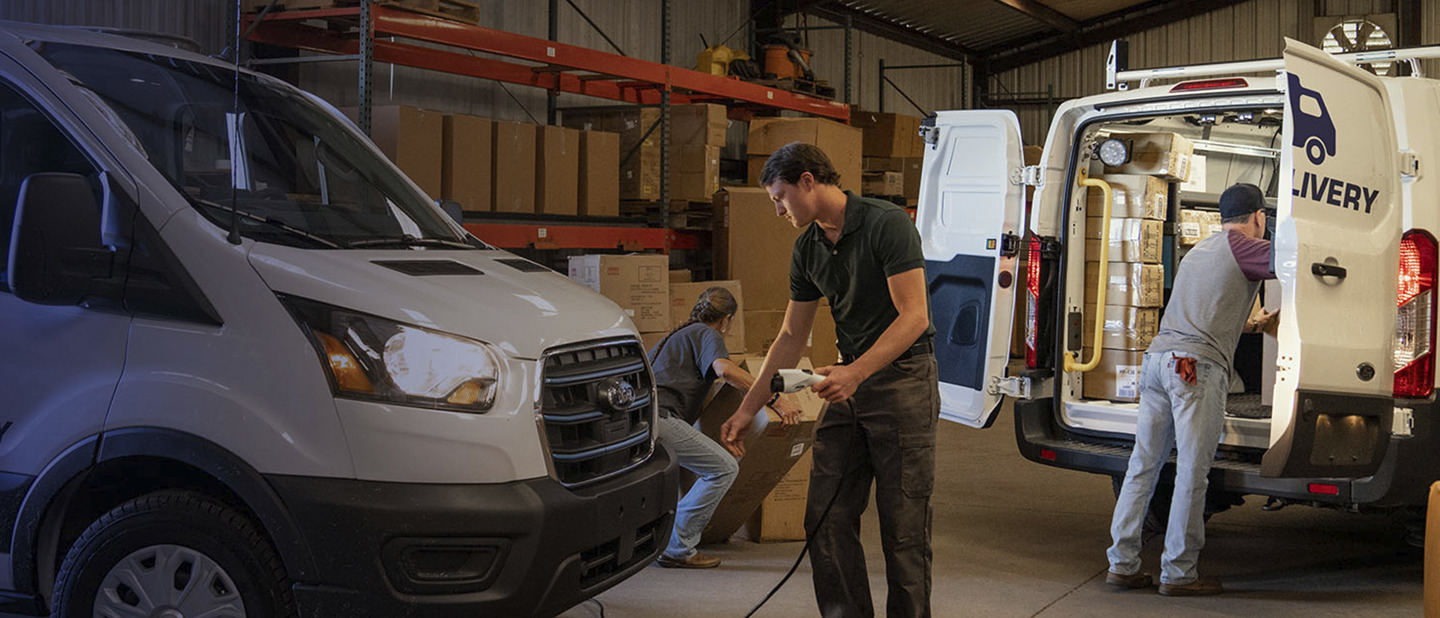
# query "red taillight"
(1032, 302)
(1415, 316)
(1047, 454)
(1210, 84)
(1320, 488)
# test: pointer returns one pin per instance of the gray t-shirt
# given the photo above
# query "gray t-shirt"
(684, 366)
(1213, 293)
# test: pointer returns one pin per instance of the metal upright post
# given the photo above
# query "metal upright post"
(665, 114)
(848, 28)
(881, 87)
(367, 57)
(552, 101)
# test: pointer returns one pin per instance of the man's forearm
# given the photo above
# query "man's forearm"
(897, 338)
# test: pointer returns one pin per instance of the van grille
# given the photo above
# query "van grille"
(597, 406)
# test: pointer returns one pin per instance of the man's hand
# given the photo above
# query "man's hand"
(733, 432)
(1261, 322)
(839, 384)
(788, 410)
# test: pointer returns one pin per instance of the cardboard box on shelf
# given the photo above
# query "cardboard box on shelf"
(466, 165)
(694, 172)
(413, 139)
(1197, 225)
(599, 174)
(753, 245)
(639, 283)
(1131, 240)
(557, 170)
(680, 276)
(700, 124)
(1116, 378)
(1127, 284)
(913, 167)
(640, 173)
(889, 134)
(682, 300)
(1134, 196)
(883, 183)
(1159, 154)
(781, 516)
(1124, 328)
(883, 164)
(841, 143)
(760, 330)
(514, 160)
(771, 450)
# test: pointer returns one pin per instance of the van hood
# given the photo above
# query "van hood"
(483, 294)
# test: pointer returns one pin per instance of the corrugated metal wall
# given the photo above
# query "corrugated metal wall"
(207, 22)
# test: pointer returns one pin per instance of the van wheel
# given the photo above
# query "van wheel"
(173, 553)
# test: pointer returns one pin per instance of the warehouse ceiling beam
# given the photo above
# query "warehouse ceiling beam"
(1044, 14)
(1013, 54)
(883, 27)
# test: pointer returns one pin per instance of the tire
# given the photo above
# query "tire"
(156, 543)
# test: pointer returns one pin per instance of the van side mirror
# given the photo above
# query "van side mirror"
(55, 246)
(453, 208)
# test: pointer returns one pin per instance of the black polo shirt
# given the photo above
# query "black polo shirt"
(878, 241)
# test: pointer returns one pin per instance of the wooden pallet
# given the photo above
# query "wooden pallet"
(455, 10)
(819, 89)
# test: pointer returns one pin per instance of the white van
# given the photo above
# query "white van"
(1341, 155)
(250, 368)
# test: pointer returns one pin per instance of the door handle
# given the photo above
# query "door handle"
(1327, 270)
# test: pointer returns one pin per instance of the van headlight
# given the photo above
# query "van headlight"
(376, 359)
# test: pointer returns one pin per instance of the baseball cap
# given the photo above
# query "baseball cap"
(1241, 199)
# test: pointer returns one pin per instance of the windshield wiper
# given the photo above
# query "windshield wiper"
(275, 223)
(407, 240)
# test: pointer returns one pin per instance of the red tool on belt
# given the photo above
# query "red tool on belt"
(1186, 368)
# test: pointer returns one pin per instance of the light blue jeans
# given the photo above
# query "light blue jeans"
(1188, 418)
(716, 468)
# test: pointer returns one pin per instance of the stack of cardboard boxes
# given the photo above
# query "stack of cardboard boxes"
(894, 153)
(842, 144)
(1135, 278)
(697, 133)
(639, 283)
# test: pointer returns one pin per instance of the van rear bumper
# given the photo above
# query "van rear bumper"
(524, 548)
(1403, 478)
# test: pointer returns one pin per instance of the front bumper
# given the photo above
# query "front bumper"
(524, 548)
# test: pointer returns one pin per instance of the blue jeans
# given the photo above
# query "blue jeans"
(1189, 418)
(716, 468)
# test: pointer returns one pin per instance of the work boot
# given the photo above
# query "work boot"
(696, 560)
(1130, 582)
(1201, 587)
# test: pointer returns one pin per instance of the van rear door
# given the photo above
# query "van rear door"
(1336, 256)
(969, 219)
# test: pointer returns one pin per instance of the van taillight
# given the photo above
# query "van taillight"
(1032, 303)
(1415, 316)
(1210, 84)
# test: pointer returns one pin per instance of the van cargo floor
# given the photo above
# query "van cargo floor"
(1247, 405)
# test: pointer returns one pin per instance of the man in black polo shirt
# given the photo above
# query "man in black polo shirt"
(864, 256)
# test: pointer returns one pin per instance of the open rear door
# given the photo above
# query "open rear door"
(1337, 239)
(969, 218)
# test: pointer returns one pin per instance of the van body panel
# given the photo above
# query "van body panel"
(970, 234)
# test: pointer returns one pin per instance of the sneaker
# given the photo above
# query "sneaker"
(696, 560)
(1130, 582)
(1201, 587)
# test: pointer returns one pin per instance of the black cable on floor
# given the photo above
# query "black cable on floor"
(599, 605)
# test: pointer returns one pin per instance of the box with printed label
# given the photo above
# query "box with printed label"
(683, 297)
(1197, 225)
(1132, 196)
(1157, 154)
(1124, 328)
(883, 183)
(1116, 378)
(639, 283)
(1131, 240)
(1127, 284)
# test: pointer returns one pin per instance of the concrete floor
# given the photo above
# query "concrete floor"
(1015, 538)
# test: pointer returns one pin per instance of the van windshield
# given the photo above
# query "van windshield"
(280, 164)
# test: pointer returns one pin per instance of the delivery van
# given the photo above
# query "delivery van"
(250, 369)
(1336, 408)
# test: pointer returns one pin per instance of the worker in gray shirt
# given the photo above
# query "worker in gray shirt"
(1184, 379)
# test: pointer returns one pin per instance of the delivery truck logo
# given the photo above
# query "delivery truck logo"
(1315, 133)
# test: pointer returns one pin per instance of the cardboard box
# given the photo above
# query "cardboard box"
(680, 276)
(771, 450)
(514, 158)
(599, 191)
(466, 164)
(1158, 154)
(640, 172)
(682, 301)
(882, 183)
(883, 164)
(557, 170)
(841, 143)
(1116, 378)
(652, 339)
(912, 171)
(1197, 225)
(1133, 196)
(1128, 284)
(889, 134)
(760, 330)
(753, 245)
(781, 516)
(1124, 328)
(1131, 240)
(824, 349)
(1199, 176)
(413, 139)
(699, 124)
(639, 283)
(694, 172)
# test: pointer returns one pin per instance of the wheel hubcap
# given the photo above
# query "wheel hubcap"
(168, 581)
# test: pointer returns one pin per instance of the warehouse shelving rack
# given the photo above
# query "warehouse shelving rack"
(370, 33)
